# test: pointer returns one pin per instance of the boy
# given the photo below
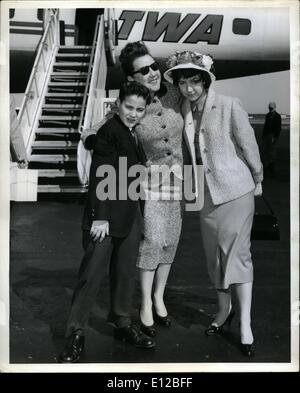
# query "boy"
(112, 229)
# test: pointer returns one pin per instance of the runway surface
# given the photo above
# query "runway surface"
(46, 253)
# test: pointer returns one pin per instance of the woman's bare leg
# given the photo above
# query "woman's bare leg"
(244, 297)
(146, 280)
(161, 277)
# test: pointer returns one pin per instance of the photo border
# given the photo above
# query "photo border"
(5, 366)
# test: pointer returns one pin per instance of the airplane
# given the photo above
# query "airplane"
(250, 48)
(242, 41)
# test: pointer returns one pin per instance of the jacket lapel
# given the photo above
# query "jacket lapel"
(137, 147)
(209, 104)
(189, 128)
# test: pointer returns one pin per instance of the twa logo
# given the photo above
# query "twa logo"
(154, 182)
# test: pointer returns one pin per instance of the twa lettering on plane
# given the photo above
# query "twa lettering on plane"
(236, 34)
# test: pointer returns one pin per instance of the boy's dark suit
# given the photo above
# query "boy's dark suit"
(118, 251)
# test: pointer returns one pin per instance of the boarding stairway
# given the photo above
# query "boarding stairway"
(54, 149)
(63, 97)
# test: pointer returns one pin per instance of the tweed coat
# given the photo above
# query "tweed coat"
(160, 133)
(228, 147)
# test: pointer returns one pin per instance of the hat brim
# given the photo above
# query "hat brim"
(168, 73)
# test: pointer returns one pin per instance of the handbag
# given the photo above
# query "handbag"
(265, 226)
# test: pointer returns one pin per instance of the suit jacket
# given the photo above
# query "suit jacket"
(229, 150)
(113, 141)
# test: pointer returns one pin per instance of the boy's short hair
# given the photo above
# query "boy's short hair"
(134, 88)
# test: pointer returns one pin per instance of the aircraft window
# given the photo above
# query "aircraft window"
(241, 26)
(11, 13)
(40, 14)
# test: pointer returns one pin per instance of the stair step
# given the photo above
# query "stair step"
(56, 188)
(58, 173)
(61, 111)
(61, 106)
(64, 95)
(71, 63)
(52, 158)
(63, 84)
(56, 130)
(74, 47)
(70, 74)
(72, 54)
(54, 144)
(56, 117)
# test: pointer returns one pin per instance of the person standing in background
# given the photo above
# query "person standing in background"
(271, 132)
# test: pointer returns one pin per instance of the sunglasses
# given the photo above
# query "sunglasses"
(145, 70)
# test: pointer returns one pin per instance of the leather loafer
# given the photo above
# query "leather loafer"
(148, 330)
(163, 321)
(73, 349)
(134, 336)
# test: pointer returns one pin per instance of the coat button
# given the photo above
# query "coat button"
(166, 140)
(169, 153)
(202, 130)
(163, 126)
(205, 150)
(159, 114)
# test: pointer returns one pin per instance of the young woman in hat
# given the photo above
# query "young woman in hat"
(220, 137)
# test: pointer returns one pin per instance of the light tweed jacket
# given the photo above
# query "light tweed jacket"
(229, 150)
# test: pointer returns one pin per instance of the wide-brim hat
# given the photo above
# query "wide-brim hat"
(186, 60)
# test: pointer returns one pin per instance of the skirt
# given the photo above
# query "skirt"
(226, 230)
(162, 228)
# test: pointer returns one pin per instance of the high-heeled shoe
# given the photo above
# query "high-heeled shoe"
(163, 321)
(148, 330)
(248, 350)
(214, 329)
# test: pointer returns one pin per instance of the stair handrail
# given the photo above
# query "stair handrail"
(89, 87)
(95, 89)
(50, 39)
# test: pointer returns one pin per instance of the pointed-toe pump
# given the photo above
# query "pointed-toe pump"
(214, 329)
(150, 331)
(163, 321)
(248, 350)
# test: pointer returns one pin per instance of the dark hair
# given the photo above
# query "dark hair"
(134, 88)
(129, 53)
(190, 72)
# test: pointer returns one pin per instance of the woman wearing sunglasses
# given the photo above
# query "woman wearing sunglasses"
(160, 133)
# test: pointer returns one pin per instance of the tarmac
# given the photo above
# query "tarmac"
(45, 254)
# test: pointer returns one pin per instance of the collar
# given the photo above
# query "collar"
(197, 107)
(117, 117)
